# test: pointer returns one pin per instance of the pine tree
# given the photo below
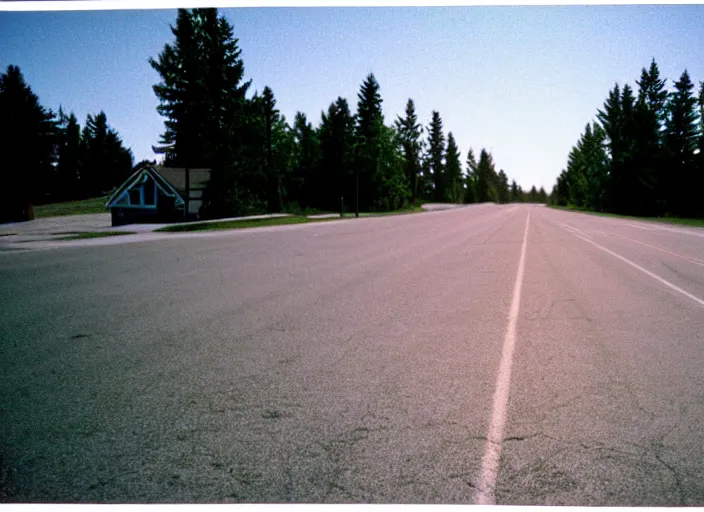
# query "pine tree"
(107, 162)
(681, 141)
(513, 194)
(391, 183)
(611, 120)
(182, 98)
(484, 177)
(647, 155)
(453, 171)
(542, 196)
(69, 155)
(27, 145)
(304, 183)
(369, 121)
(271, 116)
(410, 132)
(502, 188)
(335, 177)
(471, 178)
(209, 122)
(533, 195)
(436, 151)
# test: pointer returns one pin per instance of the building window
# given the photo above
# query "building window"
(149, 192)
(135, 196)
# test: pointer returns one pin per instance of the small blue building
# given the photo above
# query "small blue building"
(159, 194)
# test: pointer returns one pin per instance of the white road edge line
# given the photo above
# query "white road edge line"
(635, 265)
(687, 258)
(492, 451)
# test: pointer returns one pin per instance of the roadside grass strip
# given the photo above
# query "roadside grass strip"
(236, 224)
(96, 234)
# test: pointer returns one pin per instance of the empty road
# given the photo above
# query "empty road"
(509, 354)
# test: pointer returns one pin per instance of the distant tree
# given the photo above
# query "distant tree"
(27, 145)
(513, 194)
(436, 152)
(143, 163)
(425, 178)
(532, 195)
(611, 120)
(271, 115)
(303, 188)
(107, 162)
(410, 131)
(453, 171)
(650, 159)
(542, 196)
(335, 177)
(391, 184)
(484, 178)
(681, 140)
(471, 178)
(369, 122)
(70, 156)
(502, 187)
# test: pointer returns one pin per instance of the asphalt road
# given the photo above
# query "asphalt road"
(372, 360)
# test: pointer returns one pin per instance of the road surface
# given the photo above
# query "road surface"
(492, 354)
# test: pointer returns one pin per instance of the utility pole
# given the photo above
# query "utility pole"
(188, 195)
(356, 164)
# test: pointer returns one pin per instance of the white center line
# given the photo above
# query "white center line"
(492, 451)
(667, 283)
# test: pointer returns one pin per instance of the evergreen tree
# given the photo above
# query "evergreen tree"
(484, 177)
(532, 195)
(209, 122)
(304, 183)
(542, 196)
(453, 171)
(271, 116)
(611, 120)
(681, 142)
(513, 194)
(471, 178)
(436, 152)
(502, 191)
(27, 143)
(390, 183)
(69, 156)
(335, 177)
(369, 122)
(107, 162)
(410, 132)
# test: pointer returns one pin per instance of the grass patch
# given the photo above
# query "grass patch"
(664, 220)
(94, 205)
(237, 224)
(96, 234)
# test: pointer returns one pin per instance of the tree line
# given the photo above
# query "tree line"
(47, 157)
(260, 162)
(644, 153)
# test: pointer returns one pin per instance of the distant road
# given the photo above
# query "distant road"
(490, 354)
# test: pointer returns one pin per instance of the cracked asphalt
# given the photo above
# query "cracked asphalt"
(356, 361)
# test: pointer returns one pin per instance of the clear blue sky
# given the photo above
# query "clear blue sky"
(521, 81)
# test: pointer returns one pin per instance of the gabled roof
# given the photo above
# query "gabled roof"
(198, 178)
(172, 181)
(137, 178)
